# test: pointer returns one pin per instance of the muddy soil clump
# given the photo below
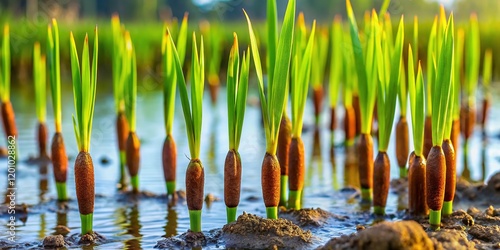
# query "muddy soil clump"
(309, 217)
(253, 232)
(189, 240)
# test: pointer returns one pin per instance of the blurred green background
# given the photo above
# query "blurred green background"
(144, 18)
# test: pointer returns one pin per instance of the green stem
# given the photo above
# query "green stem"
(403, 173)
(231, 214)
(86, 222)
(272, 212)
(378, 210)
(284, 188)
(294, 199)
(195, 220)
(366, 194)
(170, 187)
(435, 219)
(61, 191)
(123, 162)
(447, 209)
(135, 183)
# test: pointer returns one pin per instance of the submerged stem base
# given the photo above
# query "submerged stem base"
(170, 187)
(86, 223)
(366, 194)
(447, 209)
(231, 214)
(195, 220)
(272, 212)
(61, 191)
(435, 219)
(134, 180)
(294, 199)
(377, 210)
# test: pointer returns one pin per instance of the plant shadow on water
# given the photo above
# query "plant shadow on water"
(136, 222)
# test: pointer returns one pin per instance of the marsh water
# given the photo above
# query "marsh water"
(140, 223)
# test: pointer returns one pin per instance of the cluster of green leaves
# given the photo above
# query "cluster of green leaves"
(237, 88)
(365, 68)
(431, 56)
(320, 52)
(5, 66)
(193, 112)
(457, 77)
(350, 77)
(84, 90)
(301, 73)
(337, 63)
(273, 104)
(130, 82)
(389, 58)
(472, 60)
(54, 67)
(417, 102)
(39, 78)
(170, 79)
(488, 57)
(442, 90)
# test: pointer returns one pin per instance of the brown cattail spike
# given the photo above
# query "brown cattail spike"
(417, 195)
(296, 172)
(468, 116)
(42, 134)
(427, 136)
(195, 184)
(402, 145)
(451, 176)
(8, 119)
(436, 178)
(133, 159)
(455, 134)
(122, 129)
(350, 125)
(270, 180)
(214, 89)
(381, 182)
(59, 158)
(169, 160)
(84, 182)
(232, 179)
(365, 161)
(284, 138)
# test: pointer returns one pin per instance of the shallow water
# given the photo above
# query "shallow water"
(141, 224)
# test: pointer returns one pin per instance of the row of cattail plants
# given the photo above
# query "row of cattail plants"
(39, 79)
(337, 65)
(195, 175)
(272, 104)
(301, 72)
(237, 88)
(118, 73)
(169, 152)
(84, 91)
(7, 112)
(58, 149)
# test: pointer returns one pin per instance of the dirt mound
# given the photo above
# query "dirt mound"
(189, 240)
(54, 241)
(386, 235)
(451, 239)
(309, 217)
(253, 232)
(479, 193)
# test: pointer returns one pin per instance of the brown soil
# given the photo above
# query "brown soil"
(253, 232)
(309, 217)
(385, 235)
(480, 194)
(190, 240)
(54, 241)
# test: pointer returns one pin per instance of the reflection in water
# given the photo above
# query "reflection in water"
(133, 228)
(211, 159)
(351, 173)
(466, 171)
(43, 185)
(315, 160)
(335, 180)
(171, 226)
(41, 232)
(483, 159)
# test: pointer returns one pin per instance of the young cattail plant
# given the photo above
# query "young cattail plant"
(320, 52)
(84, 90)
(237, 88)
(58, 149)
(349, 82)
(272, 106)
(472, 61)
(195, 174)
(402, 133)
(8, 117)
(133, 145)
(169, 153)
(457, 82)
(441, 99)
(389, 61)
(301, 73)
(367, 83)
(336, 73)
(431, 55)
(417, 199)
(119, 75)
(214, 61)
(285, 127)
(39, 78)
(488, 55)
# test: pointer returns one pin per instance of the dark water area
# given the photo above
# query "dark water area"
(140, 222)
